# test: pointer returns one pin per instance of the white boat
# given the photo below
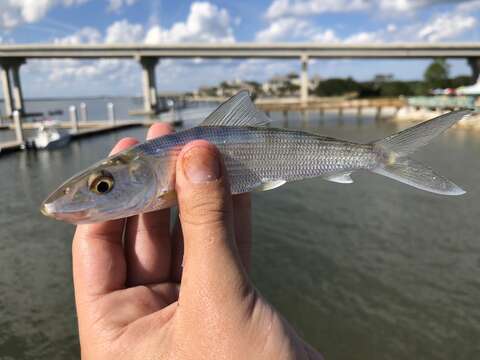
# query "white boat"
(470, 90)
(49, 137)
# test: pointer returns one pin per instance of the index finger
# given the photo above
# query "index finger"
(98, 258)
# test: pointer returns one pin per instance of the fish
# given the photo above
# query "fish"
(257, 157)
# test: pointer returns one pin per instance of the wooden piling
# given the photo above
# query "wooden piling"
(378, 113)
(285, 118)
(83, 112)
(73, 118)
(111, 112)
(17, 119)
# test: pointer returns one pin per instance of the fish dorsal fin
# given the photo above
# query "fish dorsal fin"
(270, 184)
(236, 111)
(340, 178)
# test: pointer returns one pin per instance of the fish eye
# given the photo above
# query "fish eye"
(101, 183)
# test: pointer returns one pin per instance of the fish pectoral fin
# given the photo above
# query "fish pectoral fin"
(239, 110)
(343, 178)
(270, 184)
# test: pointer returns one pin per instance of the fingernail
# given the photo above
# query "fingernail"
(201, 164)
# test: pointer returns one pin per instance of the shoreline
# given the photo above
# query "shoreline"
(412, 115)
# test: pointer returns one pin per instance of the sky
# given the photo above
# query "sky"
(222, 21)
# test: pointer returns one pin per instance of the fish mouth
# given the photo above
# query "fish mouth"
(73, 216)
(47, 209)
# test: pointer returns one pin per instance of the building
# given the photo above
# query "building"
(288, 85)
(228, 88)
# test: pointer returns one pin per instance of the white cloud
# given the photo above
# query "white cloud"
(391, 28)
(446, 26)
(86, 35)
(327, 36)
(205, 23)
(412, 5)
(284, 29)
(280, 8)
(363, 38)
(80, 78)
(449, 25)
(469, 7)
(99, 75)
(124, 32)
(15, 12)
(117, 5)
(401, 5)
(295, 29)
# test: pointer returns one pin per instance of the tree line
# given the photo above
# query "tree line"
(435, 76)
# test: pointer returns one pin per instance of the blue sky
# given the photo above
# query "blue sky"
(149, 21)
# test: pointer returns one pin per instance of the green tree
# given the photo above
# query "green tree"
(395, 88)
(292, 75)
(436, 75)
(462, 80)
(336, 87)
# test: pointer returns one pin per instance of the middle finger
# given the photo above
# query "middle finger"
(147, 238)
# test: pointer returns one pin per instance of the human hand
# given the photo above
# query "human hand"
(133, 300)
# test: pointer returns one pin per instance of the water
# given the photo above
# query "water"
(373, 270)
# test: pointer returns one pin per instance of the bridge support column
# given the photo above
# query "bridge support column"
(149, 84)
(7, 89)
(17, 86)
(474, 64)
(304, 80)
(12, 89)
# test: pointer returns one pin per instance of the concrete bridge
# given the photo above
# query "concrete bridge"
(12, 57)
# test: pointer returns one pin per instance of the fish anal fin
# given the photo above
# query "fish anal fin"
(270, 184)
(343, 178)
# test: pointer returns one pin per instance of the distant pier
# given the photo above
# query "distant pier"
(336, 105)
(99, 127)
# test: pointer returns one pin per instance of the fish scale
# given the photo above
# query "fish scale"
(254, 155)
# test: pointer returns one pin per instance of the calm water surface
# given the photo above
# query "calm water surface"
(373, 270)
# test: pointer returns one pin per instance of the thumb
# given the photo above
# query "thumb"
(212, 267)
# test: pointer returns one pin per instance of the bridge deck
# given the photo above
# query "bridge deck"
(243, 50)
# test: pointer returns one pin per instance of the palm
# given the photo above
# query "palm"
(136, 300)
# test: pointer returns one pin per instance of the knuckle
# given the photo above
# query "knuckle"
(206, 209)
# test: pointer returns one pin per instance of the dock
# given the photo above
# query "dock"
(281, 105)
(104, 129)
(97, 128)
(337, 105)
(86, 125)
(10, 146)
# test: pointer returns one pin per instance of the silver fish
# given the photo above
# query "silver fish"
(257, 157)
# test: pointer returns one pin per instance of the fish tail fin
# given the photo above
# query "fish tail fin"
(416, 174)
(395, 163)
